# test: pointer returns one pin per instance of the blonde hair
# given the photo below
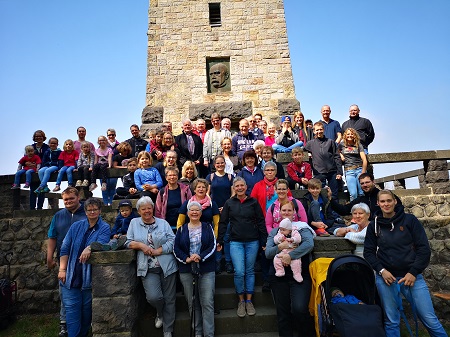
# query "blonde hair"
(355, 135)
(144, 154)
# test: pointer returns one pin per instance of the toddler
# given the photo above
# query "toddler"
(151, 140)
(67, 163)
(129, 190)
(103, 161)
(49, 165)
(28, 164)
(85, 165)
(290, 234)
(338, 296)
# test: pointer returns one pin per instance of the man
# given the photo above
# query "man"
(362, 125)
(137, 143)
(190, 145)
(81, 132)
(397, 248)
(367, 182)
(61, 222)
(218, 77)
(244, 140)
(287, 139)
(200, 129)
(326, 162)
(332, 128)
(253, 122)
(212, 142)
(166, 126)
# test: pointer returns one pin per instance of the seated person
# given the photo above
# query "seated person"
(156, 146)
(129, 190)
(320, 215)
(290, 234)
(151, 140)
(287, 139)
(257, 147)
(337, 296)
(121, 159)
(267, 155)
(298, 171)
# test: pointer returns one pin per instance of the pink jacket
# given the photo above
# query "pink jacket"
(161, 199)
(273, 220)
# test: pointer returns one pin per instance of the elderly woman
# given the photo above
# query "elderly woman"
(171, 197)
(247, 234)
(292, 298)
(210, 210)
(74, 273)
(189, 174)
(194, 249)
(156, 266)
(356, 232)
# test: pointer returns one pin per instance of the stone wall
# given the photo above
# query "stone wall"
(181, 40)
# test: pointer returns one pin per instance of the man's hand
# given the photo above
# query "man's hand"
(388, 277)
(409, 280)
(51, 264)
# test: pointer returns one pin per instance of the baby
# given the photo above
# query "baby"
(290, 234)
(337, 296)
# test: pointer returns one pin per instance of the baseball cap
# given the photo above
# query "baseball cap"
(126, 202)
(285, 119)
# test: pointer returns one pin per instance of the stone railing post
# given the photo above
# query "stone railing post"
(436, 176)
(116, 295)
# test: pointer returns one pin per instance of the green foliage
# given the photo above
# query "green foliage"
(33, 325)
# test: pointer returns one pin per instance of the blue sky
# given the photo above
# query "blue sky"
(66, 63)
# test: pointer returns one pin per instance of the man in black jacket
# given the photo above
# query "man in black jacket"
(190, 145)
(369, 198)
(137, 143)
(362, 125)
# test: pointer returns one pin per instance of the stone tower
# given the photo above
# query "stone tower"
(227, 56)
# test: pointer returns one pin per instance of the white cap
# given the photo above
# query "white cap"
(286, 224)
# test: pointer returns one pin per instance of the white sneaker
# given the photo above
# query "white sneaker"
(158, 322)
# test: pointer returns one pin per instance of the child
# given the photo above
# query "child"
(299, 172)
(151, 140)
(67, 163)
(120, 160)
(337, 296)
(129, 190)
(290, 234)
(49, 165)
(103, 161)
(317, 205)
(287, 139)
(157, 147)
(119, 231)
(85, 165)
(28, 164)
(147, 178)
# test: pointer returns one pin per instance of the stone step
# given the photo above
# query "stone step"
(225, 280)
(226, 323)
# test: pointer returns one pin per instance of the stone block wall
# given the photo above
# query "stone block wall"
(252, 35)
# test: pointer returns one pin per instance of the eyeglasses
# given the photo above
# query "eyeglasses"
(92, 210)
(111, 135)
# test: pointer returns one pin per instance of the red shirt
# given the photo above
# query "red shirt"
(69, 159)
(35, 159)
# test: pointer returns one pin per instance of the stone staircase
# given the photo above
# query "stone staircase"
(227, 323)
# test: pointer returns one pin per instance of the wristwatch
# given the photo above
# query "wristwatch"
(381, 272)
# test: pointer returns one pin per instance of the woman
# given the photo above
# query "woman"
(247, 234)
(189, 174)
(111, 183)
(147, 179)
(39, 148)
(356, 232)
(250, 172)
(271, 135)
(304, 133)
(171, 197)
(292, 298)
(194, 249)
(74, 273)
(355, 161)
(267, 154)
(156, 266)
(264, 190)
(263, 126)
(168, 143)
(273, 214)
(231, 159)
(210, 211)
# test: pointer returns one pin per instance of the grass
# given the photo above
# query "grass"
(33, 326)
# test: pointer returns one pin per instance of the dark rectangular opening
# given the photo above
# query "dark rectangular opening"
(214, 14)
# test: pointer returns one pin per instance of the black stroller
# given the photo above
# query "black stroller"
(353, 275)
(8, 296)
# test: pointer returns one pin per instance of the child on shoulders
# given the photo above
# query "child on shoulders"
(28, 164)
(67, 163)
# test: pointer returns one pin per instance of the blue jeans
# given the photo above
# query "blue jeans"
(282, 149)
(243, 255)
(78, 304)
(419, 295)
(160, 292)
(330, 179)
(28, 175)
(110, 190)
(204, 306)
(68, 170)
(44, 174)
(62, 310)
(354, 188)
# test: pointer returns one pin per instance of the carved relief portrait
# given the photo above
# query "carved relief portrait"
(219, 77)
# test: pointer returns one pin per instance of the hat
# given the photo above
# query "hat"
(286, 224)
(285, 119)
(126, 202)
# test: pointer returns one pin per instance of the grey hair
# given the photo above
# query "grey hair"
(93, 202)
(145, 200)
(194, 203)
(259, 142)
(362, 206)
(271, 164)
(238, 179)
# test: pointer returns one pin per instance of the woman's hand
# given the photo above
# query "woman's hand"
(62, 275)
(85, 254)
(196, 258)
(219, 247)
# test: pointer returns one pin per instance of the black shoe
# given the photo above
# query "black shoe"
(99, 247)
(63, 329)
(218, 268)
(120, 243)
(266, 287)
(229, 267)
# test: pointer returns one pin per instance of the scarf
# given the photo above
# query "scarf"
(270, 188)
(205, 202)
(250, 170)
